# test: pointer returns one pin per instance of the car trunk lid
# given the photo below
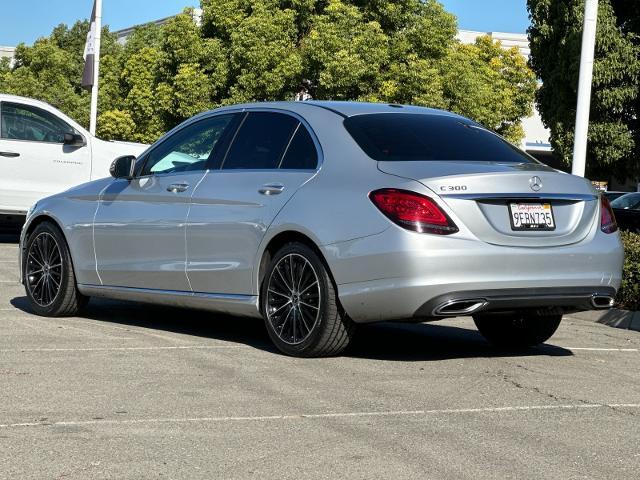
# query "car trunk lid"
(484, 196)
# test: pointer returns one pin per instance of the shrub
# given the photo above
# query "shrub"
(115, 125)
(629, 293)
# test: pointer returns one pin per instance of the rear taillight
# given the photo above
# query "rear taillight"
(608, 222)
(413, 211)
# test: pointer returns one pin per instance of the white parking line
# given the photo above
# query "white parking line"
(302, 416)
(61, 328)
(135, 329)
(597, 349)
(119, 349)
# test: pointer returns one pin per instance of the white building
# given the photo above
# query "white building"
(7, 52)
(126, 32)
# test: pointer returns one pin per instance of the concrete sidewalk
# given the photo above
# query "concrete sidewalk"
(614, 318)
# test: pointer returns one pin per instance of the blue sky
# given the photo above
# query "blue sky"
(490, 15)
(26, 20)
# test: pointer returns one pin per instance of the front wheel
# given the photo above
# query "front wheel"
(517, 330)
(300, 305)
(49, 278)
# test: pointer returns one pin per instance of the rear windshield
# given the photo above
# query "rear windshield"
(401, 137)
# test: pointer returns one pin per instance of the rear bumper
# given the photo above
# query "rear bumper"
(562, 300)
(399, 275)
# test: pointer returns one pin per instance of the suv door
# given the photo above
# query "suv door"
(139, 229)
(271, 156)
(34, 160)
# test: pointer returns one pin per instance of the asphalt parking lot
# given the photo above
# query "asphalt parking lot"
(132, 391)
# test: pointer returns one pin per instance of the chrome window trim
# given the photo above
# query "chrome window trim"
(237, 304)
(576, 197)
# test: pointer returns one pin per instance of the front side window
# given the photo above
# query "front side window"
(261, 141)
(401, 137)
(25, 122)
(187, 149)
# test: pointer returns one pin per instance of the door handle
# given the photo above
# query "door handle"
(177, 187)
(271, 189)
(9, 154)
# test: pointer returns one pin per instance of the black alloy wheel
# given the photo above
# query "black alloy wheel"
(300, 305)
(49, 278)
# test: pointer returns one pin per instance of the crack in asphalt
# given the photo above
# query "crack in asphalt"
(508, 378)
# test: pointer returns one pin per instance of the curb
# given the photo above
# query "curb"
(614, 318)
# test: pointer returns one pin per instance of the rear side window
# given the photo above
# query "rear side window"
(301, 153)
(399, 137)
(261, 141)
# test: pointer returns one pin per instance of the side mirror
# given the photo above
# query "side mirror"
(122, 167)
(74, 140)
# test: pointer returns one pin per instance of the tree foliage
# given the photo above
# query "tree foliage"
(614, 131)
(396, 51)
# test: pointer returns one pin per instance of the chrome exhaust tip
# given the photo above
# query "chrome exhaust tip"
(601, 302)
(455, 308)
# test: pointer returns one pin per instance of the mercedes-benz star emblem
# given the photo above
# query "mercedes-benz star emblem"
(535, 183)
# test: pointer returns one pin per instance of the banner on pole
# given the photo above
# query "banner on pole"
(88, 75)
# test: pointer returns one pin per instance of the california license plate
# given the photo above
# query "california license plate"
(531, 216)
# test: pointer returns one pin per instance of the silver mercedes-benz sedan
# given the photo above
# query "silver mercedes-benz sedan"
(318, 216)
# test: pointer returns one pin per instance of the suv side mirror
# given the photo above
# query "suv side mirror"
(74, 140)
(122, 167)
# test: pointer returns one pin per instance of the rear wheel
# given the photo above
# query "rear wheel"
(517, 330)
(49, 278)
(300, 305)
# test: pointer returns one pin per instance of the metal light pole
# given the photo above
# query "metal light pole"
(96, 69)
(584, 87)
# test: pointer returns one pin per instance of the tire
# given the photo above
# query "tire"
(49, 279)
(288, 309)
(517, 330)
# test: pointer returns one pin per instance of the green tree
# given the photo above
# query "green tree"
(51, 69)
(556, 35)
(396, 51)
(489, 84)
(344, 53)
(116, 125)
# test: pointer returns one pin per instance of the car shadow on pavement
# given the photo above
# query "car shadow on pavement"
(432, 342)
(384, 341)
(181, 321)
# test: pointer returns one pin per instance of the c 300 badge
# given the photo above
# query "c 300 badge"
(453, 188)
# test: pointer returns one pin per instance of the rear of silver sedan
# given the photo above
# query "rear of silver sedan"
(485, 231)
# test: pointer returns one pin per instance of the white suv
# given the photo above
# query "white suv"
(42, 152)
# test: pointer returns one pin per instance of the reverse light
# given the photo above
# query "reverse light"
(413, 211)
(608, 222)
